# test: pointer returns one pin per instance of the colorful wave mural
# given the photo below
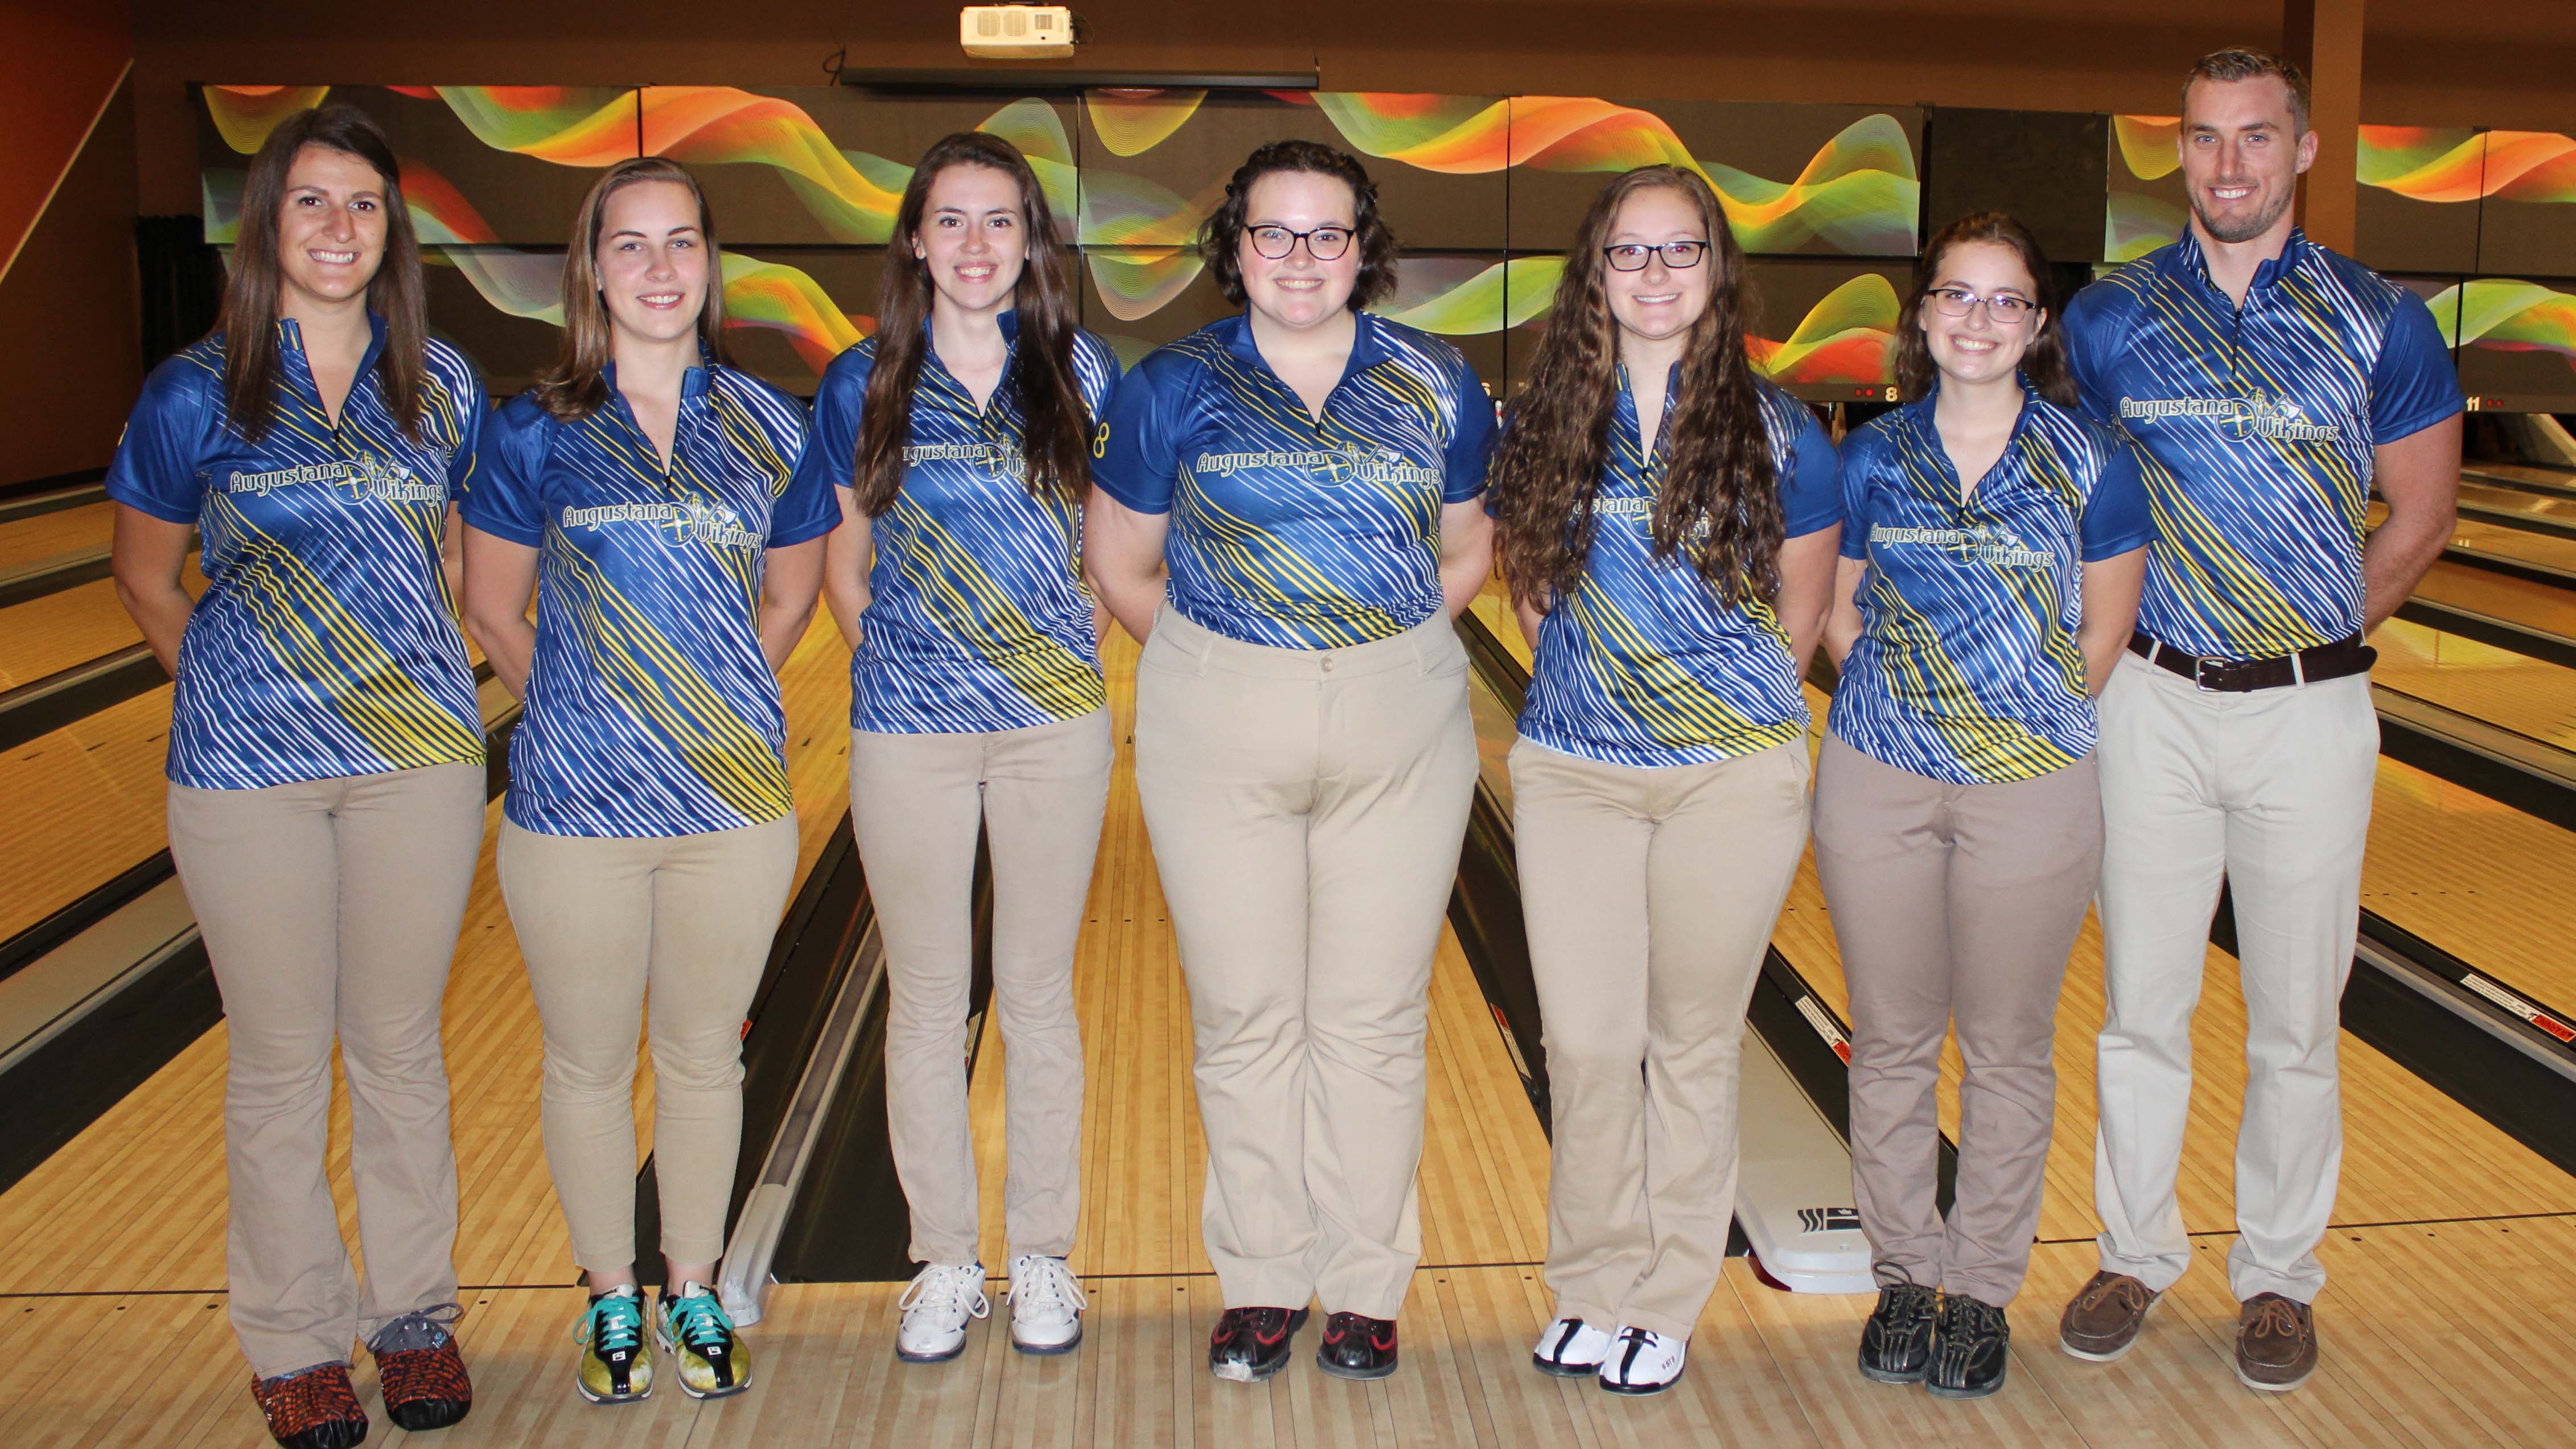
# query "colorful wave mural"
(775, 297)
(2509, 315)
(1858, 194)
(2145, 207)
(2149, 145)
(759, 296)
(1847, 338)
(853, 194)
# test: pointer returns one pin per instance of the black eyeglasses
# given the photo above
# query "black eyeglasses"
(2003, 309)
(1324, 243)
(1631, 256)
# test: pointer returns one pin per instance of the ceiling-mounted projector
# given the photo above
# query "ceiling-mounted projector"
(1016, 32)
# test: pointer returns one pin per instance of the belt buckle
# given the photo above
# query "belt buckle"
(2200, 675)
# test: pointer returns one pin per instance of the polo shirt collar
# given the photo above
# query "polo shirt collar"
(2190, 260)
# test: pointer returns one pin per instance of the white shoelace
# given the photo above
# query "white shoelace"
(944, 1288)
(1043, 1282)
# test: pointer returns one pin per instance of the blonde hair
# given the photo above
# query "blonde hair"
(577, 385)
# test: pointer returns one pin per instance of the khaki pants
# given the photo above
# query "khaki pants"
(1650, 895)
(330, 909)
(1954, 902)
(600, 919)
(1307, 808)
(2270, 791)
(915, 800)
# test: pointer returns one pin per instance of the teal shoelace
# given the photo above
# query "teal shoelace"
(614, 1323)
(698, 1321)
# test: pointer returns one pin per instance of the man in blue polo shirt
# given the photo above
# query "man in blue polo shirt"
(2269, 385)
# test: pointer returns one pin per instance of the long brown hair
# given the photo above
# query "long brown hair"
(577, 385)
(1055, 424)
(1717, 470)
(249, 319)
(2043, 358)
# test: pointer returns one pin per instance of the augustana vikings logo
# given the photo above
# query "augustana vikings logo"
(1332, 467)
(680, 523)
(365, 476)
(2255, 415)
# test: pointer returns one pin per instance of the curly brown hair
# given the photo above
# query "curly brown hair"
(1222, 236)
(1720, 490)
(2043, 358)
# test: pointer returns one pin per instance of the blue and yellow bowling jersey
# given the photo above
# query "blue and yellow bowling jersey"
(650, 710)
(326, 643)
(1968, 668)
(1644, 663)
(977, 617)
(2255, 428)
(1287, 530)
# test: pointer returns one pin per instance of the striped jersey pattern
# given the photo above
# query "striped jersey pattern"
(977, 616)
(2256, 426)
(326, 644)
(650, 710)
(1288, 530)
(1643, 663)
(1968, 668)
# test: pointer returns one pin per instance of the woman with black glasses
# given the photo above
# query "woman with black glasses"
(1309, 473)
(1668, 526)
(1994, 545)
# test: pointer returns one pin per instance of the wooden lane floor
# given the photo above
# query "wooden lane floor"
(57, 631)
(1484, 1168)
(135, 1204)
(2531, 697)
(2545, 607)
(2421, 1352)
(2411, 1152)
(31, 540)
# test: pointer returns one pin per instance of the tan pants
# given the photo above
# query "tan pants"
(1954, 901)
(330, 908)
(2270, 791)
(1307, 808)
(1650, 896)
(600, 919)
(915, 800)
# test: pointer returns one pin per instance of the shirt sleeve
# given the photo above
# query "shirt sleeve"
(1471, 447)
(473, 409)
(1811, 494)
(1137, 459)
(831, 453)
(155, 467)
(806, 508)
(2090, 322)
(2414, 385)
(2116, 517)
(503, 497)
(1860, 455)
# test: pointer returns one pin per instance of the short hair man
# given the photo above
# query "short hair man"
(2268, 383)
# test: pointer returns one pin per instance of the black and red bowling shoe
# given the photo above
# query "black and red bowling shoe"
(1357, 1346)
(1251, 1344)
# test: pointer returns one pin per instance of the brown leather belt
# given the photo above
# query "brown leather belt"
(2343, 657)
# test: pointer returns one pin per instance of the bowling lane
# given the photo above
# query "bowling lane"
(58, 631)
(1484, 1168)
(158, 1155)
(2412, 1153)
(47, 535)
(2528, 696)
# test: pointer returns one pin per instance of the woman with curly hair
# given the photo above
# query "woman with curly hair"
(1668, 523)
(1288, 516)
